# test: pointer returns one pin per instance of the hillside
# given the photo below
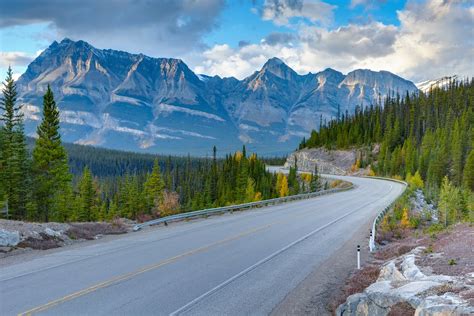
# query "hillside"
(134, 102)
(429, 134)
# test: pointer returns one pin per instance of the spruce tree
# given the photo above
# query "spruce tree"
(154, 186)
(87, 197)
(51, 177)
(469, 171)
(13, 153)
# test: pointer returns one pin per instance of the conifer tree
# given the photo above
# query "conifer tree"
(154, 186)
(314, 184)
(469, 171)
(13, 153)
(87, 198)
(51, 177)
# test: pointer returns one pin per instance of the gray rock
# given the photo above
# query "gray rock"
(9, 238)
(50, 232)
(330, 162)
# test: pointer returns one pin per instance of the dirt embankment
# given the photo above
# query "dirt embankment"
(19, 236)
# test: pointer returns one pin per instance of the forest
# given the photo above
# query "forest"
(46, 180)
(427, 137)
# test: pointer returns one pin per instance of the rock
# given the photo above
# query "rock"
(445, 305)
(409, 268)
(4, 249)
(52, 233)
(389, 272)
(328, 161)
(410, 286)
(9, 238)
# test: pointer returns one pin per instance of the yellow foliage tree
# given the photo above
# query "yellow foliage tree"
(371, 172)
(278, 183)
(258, 196)
(238, 156)
(284, 187)
(405, 221)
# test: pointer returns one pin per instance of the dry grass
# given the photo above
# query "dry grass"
(356, 283)
(393, 250)
(91, 230)
(401, 309)
(46, 242)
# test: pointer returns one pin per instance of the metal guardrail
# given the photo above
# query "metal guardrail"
(381, 215)
(225, 209)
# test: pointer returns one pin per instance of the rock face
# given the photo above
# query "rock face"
(9, 238)
(131, 101)
(400, 280)
(328, 161)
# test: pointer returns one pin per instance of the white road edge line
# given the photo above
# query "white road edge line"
(262, 261)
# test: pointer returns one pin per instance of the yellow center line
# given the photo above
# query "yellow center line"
(130, 275)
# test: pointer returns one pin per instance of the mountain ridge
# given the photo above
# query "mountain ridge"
(120, 100)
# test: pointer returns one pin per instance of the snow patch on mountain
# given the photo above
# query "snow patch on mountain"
(164, 108)
(427, 85)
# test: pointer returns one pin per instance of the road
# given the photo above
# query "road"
(243, 263)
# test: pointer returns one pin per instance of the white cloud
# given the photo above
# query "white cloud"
(281, 11)
(434, 39)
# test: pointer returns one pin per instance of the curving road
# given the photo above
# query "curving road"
(236, 264)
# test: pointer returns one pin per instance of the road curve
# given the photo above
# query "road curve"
(235, 264)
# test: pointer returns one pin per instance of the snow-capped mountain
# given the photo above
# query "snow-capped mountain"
(134, 102)
(427, 85)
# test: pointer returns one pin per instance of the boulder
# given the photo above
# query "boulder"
(52, 233)
(410, 286)
(9, 238)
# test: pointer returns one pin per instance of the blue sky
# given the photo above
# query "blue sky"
(412, 38)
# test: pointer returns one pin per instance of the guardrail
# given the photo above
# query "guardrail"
(381, 215)
(225, 209)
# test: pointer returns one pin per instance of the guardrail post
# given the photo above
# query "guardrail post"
(358, 257)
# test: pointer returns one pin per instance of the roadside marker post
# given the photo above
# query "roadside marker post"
(358, 257)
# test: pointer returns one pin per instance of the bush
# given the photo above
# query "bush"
(415, 181)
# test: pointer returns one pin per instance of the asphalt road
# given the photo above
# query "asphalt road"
(243, 263)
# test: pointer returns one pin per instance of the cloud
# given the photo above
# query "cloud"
(434, 39)
(278, 38)
(15, 59)
(166, 27)
(368, 4)
(281, 11)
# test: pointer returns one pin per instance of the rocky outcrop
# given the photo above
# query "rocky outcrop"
(401, 280)
(337, 162)
(9, 238)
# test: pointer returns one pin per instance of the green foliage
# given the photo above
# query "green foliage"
(415, 181)
(427, 137)
(51, 177)
(13, 154)
(450, 203)
(154, 186)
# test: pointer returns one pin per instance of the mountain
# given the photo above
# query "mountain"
(129, 101)
(443, 82)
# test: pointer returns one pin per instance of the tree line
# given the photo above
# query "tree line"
(50, 183)
(428, 135)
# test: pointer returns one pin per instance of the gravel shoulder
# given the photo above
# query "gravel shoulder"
(315, 293)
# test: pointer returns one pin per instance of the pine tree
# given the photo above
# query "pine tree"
(87, 197)
(469, 171)
(314, 184)
(13, 153)
(51, 177)
(154, 186)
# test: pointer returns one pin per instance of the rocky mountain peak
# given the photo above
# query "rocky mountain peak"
(130, 101)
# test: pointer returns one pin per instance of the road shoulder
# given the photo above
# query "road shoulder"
(313, 295)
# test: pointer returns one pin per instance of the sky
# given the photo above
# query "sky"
(416, 39)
